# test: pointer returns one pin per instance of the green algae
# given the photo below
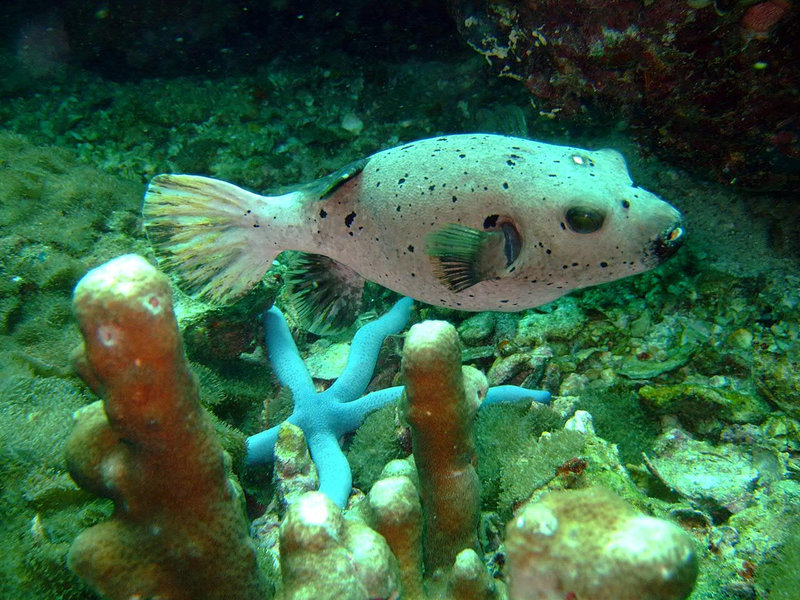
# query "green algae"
(503, 433)
(620, 418)
(42, 508)
(374, 444)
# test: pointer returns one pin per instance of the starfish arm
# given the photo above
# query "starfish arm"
(514, 393)
(260, 448)
(284, 356)
(335, 479)
(364, 350)
(352, 414)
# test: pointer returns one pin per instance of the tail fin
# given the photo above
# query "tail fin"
(203, 231)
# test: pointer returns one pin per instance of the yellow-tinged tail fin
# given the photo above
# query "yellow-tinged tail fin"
(206, 233)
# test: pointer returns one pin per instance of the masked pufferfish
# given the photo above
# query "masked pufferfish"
(474, 222)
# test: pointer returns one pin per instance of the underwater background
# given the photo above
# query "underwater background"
(691, 369)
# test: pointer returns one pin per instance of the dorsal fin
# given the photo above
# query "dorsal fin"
(327, 185)
(324, 295)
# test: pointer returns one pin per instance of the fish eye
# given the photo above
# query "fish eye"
(584, 219)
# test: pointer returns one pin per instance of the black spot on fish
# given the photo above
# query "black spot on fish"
(626, 204)
(401, 181)
(410, 248)
(505, 185)
(455, 199)
(348, 220)
(378, 184)
(398, 208)
(511, 163)
(490, 221)
(503, 301)
(247, 212)
(552, 175)
(322, 213)
(431, 188)
(462, 156)
(548, 251)
(256, 225)
(564, 227)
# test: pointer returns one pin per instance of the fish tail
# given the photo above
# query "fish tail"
(204, 232)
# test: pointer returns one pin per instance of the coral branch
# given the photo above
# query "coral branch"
(441, 404)
(179, 530)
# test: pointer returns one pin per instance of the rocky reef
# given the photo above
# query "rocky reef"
(709, 85)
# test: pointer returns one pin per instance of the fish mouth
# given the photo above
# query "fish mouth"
(669, 241)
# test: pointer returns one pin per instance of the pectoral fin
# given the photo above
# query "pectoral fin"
(463, 256)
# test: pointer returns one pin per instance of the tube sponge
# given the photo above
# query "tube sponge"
(179, 530)
(440, 401)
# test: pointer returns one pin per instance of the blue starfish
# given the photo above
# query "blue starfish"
(326, 416)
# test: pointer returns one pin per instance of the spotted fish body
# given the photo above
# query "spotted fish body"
(473, 221)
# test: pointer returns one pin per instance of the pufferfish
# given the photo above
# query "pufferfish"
(474, 222)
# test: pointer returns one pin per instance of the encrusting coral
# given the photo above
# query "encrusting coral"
(592, 545)
(179, 529)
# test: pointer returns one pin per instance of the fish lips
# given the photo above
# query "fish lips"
(669, 241)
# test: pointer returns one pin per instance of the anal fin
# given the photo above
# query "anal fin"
(325, 295)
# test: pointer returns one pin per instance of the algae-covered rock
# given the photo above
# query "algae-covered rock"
(699, 401)
(563, 320)
(777, 379)
(573, 457)
(634, 367)
(719, 479)
(477, 328)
